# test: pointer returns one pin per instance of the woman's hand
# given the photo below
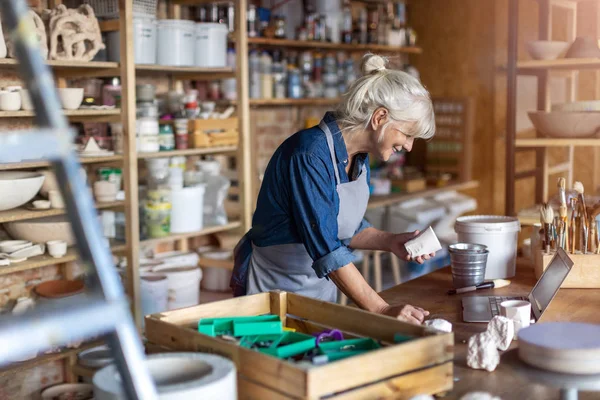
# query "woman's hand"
(406, 313)
(397, 247)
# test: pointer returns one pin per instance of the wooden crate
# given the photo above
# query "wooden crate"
(213, 132)
(585, 273)
(421, 365)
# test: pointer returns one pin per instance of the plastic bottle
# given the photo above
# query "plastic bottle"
(254, 65)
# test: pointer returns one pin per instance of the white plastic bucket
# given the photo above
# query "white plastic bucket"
(144, 40)
(499, 234)
(216, 279)
(187, 209)
(211, 45)
(176, 38)
(184, 285)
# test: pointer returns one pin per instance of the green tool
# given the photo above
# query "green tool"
(347, 348)
(287, 345)
(241, 326)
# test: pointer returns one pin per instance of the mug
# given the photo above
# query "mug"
(519, 311)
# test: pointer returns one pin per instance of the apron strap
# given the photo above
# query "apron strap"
(329, 137)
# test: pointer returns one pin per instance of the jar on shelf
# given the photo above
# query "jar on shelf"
(294, 84)
(166, 138)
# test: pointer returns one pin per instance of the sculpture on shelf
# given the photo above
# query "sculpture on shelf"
(74, 33)
(40, 32)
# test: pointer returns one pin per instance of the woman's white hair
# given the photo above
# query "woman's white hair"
(401, 94)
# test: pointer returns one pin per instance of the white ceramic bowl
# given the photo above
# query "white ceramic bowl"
(26, 103)
(578, 106)
(546, 49)
(71, 98)
(57, 248)
(18, 187)
(10, 101)
(561, 124)
(42, 230)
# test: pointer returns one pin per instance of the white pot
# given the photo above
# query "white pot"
(71, 98)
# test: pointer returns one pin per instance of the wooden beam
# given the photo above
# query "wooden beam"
(130, 173)
(243, 109)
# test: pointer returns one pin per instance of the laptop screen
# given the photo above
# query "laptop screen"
(547, 286)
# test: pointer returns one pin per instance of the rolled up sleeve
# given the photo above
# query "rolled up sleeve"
(314, 211)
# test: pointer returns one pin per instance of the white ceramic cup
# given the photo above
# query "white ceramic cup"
(57, 248)
(10, 101)
(56, 199)
(519, 311)
(105, 191)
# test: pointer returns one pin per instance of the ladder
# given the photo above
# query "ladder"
(104, 311)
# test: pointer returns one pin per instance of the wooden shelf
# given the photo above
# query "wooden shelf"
(358, 48)
(84, 372)
(45, 260)
(560, 64)
(20, 214)
(179, 236)
(73, 68)
(552, 142)
(293, 102)
(45, 164)
(186, 72)
(394, 198)
(74, 115)
(189, 152)
(46, 358)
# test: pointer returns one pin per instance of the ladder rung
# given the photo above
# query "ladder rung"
(559, 168)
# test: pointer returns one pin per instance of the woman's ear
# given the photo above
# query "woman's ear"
(379, 117)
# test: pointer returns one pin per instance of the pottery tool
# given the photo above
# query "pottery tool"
(495, 284)
(584, 229)
(547, 217)
(562, 186)
(573, 226)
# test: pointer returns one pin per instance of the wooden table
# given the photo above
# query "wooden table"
(429, 292)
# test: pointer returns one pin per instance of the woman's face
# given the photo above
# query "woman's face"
(391, 139)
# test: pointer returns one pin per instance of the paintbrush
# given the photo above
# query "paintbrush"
(573, 226)
(495, 284)
(584, 229)
(562, 228)
(562, 193)
(547, 217)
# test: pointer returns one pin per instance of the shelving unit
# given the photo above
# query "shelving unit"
(354, 48)
(46, 358)
(114, 159)
(542, 69)
(74, 115)
(293, 102)
(183, 236)
(21, 213)
(190, 152)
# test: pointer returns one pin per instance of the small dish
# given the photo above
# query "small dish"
(69, 391)
(28, 252)
(41, 204)
(10, 246)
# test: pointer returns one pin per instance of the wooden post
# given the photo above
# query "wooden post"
(130, 172)
(243, 109)
(511, 104)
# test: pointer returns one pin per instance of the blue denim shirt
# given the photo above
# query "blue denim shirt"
(298, 200)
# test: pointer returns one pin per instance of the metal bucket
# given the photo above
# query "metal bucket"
(467, 262)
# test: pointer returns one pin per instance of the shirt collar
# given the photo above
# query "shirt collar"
(341, 153)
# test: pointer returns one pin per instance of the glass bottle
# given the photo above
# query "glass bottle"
(347, 23)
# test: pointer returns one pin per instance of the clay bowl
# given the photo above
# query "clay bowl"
(18, 188)
(560, 124)
(546, 49)
(71, 98)
(584, 47)
(60, 288)
(42, 230)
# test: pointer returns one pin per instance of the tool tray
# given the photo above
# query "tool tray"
(421, 363)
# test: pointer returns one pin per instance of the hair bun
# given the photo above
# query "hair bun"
(373, 63)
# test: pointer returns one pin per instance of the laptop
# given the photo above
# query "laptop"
(484, 308)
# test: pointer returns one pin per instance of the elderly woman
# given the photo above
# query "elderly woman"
(309, 215)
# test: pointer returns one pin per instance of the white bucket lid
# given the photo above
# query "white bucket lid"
(487, 224)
